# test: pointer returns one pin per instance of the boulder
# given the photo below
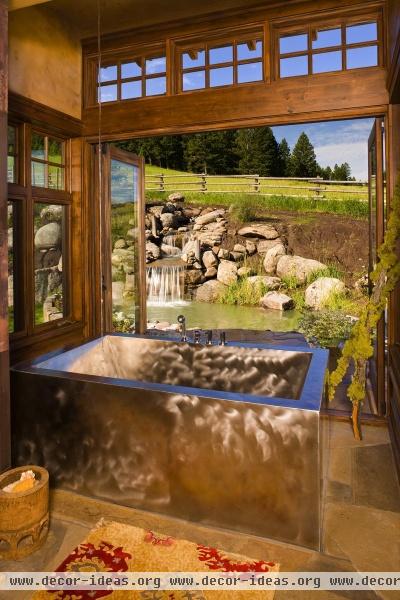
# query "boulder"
(272, 283)
(209, 259)
(168, 250)
(265, 245)
(259, 230)
(251, 248)
(48, 236)
(193, 277)
(10, 238)
(209, 217)
(156, 210)
(210, 273)
(117, 292)
(210, 291)
(51, 258)
(319, 291)
(52, 213)
(167, 220)
(223, 254)
(132, 233)
(121, 243)
(272, 257)
(153, 252)
(297, 266)
(236, 256)
(276, 301)
(239, 248)
(227, 272)
(176, 197)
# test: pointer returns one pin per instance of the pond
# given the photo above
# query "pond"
(202, 315)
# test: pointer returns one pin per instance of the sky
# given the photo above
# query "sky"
(334, 142)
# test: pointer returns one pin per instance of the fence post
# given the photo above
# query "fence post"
(162, 182)
(204, 182)
(256, 183)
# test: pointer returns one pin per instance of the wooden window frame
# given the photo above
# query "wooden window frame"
(118, 60)
(27, 196)
(340, 22)
(232, 37)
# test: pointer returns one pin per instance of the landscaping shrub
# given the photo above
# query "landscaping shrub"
(328, 328)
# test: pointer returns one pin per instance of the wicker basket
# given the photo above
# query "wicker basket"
(24, 516)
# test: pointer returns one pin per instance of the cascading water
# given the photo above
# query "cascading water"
(176, 240)
(165, 285)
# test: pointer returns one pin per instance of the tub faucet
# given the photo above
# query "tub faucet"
(182, 323)
(222, 338)
(197, 335)
(209, 334)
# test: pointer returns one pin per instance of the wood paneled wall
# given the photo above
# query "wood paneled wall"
(4, 354)
(393, 46)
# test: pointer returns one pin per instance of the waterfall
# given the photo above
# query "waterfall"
(177, 240)
(165, 285)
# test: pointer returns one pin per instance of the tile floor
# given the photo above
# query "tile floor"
(361, 525)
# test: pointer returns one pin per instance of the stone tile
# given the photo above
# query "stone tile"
(338, 492)
(341, 435)
(369, 537)
(340, 463)
(374, 478)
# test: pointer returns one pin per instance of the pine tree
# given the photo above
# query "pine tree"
(341, 172)
(303, 160)
(284, 158)
(257, 150)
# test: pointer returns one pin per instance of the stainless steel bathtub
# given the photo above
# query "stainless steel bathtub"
(226, 436)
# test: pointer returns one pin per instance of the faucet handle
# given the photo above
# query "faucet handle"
(209, 334)
(197, 336)
(222, 338)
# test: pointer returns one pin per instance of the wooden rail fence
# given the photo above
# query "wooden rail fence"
(315, 188)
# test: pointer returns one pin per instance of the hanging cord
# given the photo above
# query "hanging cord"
(100, 168)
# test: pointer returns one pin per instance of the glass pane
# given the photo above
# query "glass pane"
(250, 72)
(156, 65)
(291, 67)
(326, 62)
(358, 58)
(11, 140)
(108, 74)
(11, 169)
(55, 152)
(156, 86)
(223, 54)
(124, 223)
(56, 178)
(193, 59)
(366, 32)
(131, 69)
(249, 50)
(38, 146)
(132, 89)
(327, 38)
(11, 266)
(194, 81)
(293, 43)
(221, 76)
(48, 223)
(108, 93)
(39, 174)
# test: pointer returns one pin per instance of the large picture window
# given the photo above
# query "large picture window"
(328, 49)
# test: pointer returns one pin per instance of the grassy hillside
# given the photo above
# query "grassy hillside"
(247, 203)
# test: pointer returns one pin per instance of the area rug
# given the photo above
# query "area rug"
(116, 547)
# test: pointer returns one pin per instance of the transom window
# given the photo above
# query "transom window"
(221, 64)
(47, 162)
(328, 49)
(133, 78)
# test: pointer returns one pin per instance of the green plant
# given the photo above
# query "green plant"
(123, 323)
(331, 270)
(243, 293)
(290, 282)
(358, 349)
(327, 327)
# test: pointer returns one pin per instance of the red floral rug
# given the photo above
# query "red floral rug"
(115, 547)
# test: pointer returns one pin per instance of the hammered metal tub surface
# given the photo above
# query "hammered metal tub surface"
(174, 428)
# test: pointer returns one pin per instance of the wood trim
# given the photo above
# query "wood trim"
(39, 115)
(5, 433)
(394, 402)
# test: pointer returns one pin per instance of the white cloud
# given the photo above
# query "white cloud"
(355, 153)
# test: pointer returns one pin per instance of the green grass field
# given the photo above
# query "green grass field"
(249, 204)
